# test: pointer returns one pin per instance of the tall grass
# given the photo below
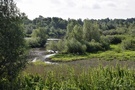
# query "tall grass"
(68, 78)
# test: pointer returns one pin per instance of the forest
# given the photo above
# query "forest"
(89, 54)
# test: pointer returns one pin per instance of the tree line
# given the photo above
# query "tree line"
(79, 36)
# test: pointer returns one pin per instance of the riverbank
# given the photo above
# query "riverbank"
(110, 57)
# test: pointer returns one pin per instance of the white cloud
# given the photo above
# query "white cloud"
(78, 8)
(96, 6)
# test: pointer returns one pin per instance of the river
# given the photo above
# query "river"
(40, 54)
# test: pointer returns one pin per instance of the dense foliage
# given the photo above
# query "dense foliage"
(94, 35)
(12, 43)
(55, 27)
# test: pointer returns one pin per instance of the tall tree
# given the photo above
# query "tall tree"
(90, 31)
(11, 41)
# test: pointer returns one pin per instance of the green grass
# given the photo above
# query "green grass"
(39, 62)
(68, 78)
(112, 55)
(68, 57)
(115, 53)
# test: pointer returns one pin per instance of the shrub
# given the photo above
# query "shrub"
(116, 39)
(33, 42)
(105, 43)
(61, 46)
(92, 46)
(52, 46)
(128, 44)
(74, 46)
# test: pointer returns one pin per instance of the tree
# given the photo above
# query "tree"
(41, 35)
(11, 42)
(90, 31)
(73, 26)
(78, 32)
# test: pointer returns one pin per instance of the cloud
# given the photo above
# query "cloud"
(78, 8)
(96, 6)
(111, 5)
(55, 1)
(70, 3)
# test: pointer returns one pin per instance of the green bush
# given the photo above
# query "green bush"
(116, 39)
(74, 46)
(61, 46)
(52, 45)
(105, 43)
(128, 44)
(33, 42)
(94, 46)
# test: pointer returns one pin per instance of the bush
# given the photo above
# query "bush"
(61, 46)
(92, 46)
(116, 39)
(74, 46)
(128, 44)
(52, 45)
(105, 43)
(33, 42)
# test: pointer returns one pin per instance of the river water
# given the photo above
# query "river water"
(40, 54)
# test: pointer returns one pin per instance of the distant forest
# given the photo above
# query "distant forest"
(57, 27)
(80, 36)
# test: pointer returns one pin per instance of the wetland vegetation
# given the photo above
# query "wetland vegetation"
(91, 54)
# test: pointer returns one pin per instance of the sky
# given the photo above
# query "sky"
(75, 9)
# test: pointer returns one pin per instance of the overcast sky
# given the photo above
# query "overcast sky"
(92, 9)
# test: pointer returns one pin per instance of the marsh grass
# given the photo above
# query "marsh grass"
(68, 57)
(35, 68)
(64, 77)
